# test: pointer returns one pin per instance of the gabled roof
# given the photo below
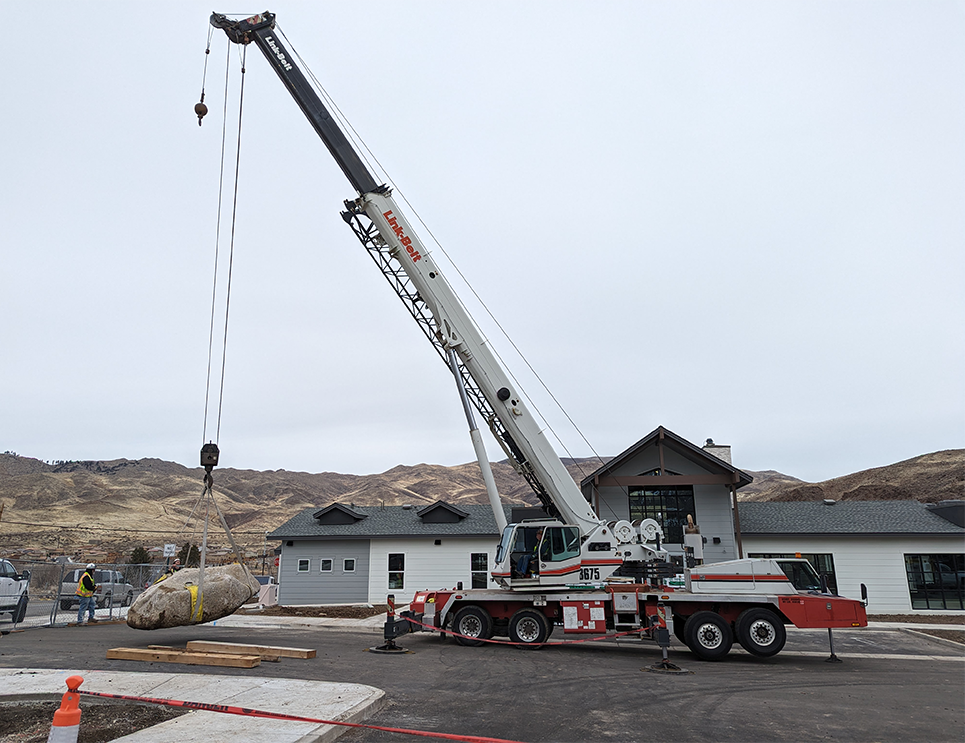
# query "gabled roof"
(843, 517)
(679, 445)
(427, 510)
(393, 521)
(348, 511)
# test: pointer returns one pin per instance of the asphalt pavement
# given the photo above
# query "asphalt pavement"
(890, 686)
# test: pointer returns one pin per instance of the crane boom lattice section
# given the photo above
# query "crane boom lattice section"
(378, 249)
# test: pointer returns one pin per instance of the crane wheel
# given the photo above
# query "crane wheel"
(529, 627)
(760, 632)
(472, 622)
(708, 635)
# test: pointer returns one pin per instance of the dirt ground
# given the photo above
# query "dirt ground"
(945, 634)
(29, 722)
(354, 611)
(919, 618)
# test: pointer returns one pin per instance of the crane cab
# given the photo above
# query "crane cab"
(547, 552)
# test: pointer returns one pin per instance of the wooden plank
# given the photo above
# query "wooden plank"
(175, 655)
(213, 647)
(272, 658)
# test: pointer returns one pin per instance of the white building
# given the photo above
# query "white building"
(345, 554)
(910, 555)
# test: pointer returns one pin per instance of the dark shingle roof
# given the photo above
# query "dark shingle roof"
(844, 517)
(391, 521)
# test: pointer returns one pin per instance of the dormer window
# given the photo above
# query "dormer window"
(337, 514)
(441, 513)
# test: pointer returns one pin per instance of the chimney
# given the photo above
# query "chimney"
(721, 451)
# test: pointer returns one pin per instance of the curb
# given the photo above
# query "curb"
(933, 638)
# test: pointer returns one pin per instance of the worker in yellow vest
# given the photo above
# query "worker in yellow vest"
(85, 589)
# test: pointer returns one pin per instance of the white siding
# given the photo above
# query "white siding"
(427, 565)
(876, 561)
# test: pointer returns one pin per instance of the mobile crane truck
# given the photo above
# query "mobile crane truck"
(572, 569)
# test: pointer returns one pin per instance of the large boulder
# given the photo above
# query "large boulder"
(174, 601)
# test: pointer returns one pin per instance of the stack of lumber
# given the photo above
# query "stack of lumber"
(208, 653)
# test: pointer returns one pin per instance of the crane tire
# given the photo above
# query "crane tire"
(708, 635)
(760, 632)
(472, 622)
(529, 627)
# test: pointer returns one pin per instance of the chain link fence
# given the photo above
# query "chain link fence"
(51, 594)
(40, 593)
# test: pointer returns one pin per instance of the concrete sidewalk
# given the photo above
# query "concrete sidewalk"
(318, 699)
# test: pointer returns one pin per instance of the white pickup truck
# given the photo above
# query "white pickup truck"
(13, 590)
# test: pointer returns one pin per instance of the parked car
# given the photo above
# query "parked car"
(948, 577)
(112, 586)
(13, 590)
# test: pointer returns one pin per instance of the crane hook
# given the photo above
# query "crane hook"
(200, 109)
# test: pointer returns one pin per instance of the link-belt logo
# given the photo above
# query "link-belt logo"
(403, 238)
(278, 53)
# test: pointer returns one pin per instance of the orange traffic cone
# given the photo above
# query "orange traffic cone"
(67, 719)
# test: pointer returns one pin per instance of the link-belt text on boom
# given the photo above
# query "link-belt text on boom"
(403, 238)
(278, 52)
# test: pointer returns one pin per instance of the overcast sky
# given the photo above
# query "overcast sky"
(739, 220)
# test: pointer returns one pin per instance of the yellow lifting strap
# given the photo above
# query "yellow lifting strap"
(196, 601)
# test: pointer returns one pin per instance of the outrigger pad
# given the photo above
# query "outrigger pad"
(176, 602)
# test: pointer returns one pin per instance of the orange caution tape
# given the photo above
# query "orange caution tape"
(244, 711)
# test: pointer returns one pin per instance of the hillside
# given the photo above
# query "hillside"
(68, 506)
(929, 478)
(122, 503)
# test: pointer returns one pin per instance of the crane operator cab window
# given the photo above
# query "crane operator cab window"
(532, 545)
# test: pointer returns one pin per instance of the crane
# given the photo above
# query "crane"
(551, 571)
(574, 544)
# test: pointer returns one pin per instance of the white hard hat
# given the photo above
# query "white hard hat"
(91, 565)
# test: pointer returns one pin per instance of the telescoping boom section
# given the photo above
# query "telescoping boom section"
(573, 569)
(581, 545)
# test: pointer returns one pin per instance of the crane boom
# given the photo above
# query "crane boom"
(405, 261)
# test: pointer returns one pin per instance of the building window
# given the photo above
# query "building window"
(348, 565)
(479, 569)
(304, 564)
(396, 570)
(326, 565)
(823, 564)
(936, 581)
(668, 506)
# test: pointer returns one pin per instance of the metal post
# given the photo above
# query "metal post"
(60, 588)
(833, 658)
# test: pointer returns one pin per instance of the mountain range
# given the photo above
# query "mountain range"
(63, 506)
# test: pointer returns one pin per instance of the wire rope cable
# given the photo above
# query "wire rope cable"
(231, 249)
(364, 149)
(217, 242)
(217, 252)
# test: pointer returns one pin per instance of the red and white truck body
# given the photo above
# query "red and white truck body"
(747, 600)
